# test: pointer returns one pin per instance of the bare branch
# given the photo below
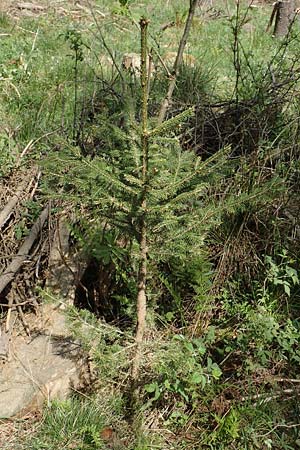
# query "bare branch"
(178, 61)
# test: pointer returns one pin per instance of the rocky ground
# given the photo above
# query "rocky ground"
(39, 360)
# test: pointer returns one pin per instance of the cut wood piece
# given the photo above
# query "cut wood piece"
(23, 252)
(30, 6)
(10, 205)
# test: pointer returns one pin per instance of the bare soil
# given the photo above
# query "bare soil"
(75, 9)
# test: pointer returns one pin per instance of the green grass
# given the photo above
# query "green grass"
(87, 423)
(71, 424)
(36, 65)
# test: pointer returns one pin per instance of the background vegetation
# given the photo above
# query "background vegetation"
(220, 355)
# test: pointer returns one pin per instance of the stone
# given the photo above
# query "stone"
(40, 368)
(47, 364)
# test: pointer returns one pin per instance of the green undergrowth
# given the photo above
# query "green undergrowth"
(216, 391)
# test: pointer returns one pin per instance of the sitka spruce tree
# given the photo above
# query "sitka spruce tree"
(144, 187)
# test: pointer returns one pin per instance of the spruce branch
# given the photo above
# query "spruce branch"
(173, 123)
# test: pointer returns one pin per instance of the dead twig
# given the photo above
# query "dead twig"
(6, 305)
(30, 6)
(286, 380)
(23, 252)
(100, 35)
(23, 320)
(9, 306)
(24, 151)
(35, 185)
(9, 207)
(263, 399)
(282, 425)
(32, 142)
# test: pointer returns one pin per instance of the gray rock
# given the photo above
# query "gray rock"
(39, 368)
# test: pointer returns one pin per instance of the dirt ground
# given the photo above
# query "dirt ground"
(75, 9)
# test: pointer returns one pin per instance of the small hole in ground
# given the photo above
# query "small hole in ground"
(100, 292)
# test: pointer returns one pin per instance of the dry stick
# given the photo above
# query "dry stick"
(32, 142)
(23, 252)
(10, 305)
(35, 185)
(104, 41)
(20, 311)
(32, 50)
(27, 147)
(23, 320)
(141, 296)
(274, 12)
(182, 44)
(263, 399)
(286, 380)
(16, 304)
(10, 205)
(280, 425)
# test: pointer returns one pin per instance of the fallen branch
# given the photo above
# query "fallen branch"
(10, 303)
(23, 252)
(35, 185)
(8, 208)
(6, 305)
(286, 380)
(30, 6)
(23, 320)
(266, 399)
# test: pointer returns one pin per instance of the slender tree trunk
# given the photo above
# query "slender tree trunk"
(142, 276)
(284, 17)
(141, 307)
(178, 61)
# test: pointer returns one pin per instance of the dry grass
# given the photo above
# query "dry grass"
(14, 432)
